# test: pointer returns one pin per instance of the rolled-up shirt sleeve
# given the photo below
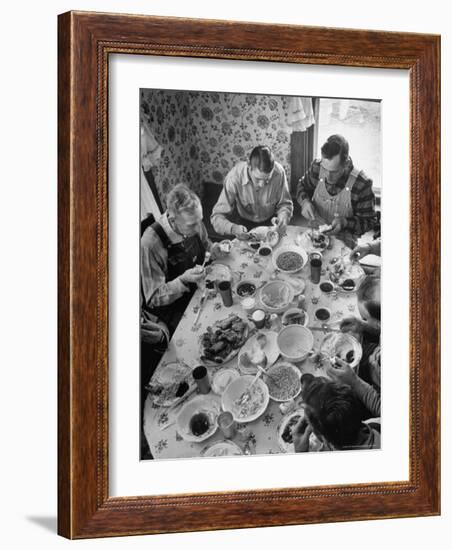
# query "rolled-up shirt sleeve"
(225, 206)
(156, 291)
(285, 204)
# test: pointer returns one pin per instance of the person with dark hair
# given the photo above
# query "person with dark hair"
(253, 193)
(333, 412)
(335, 193)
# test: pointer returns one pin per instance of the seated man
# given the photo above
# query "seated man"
(172, 251)
(335, 193)
(253, 193)
(333, 413)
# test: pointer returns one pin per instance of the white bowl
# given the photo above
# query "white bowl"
(254, 407)
(290, 248)
(294, 310)
(276, 291)
(295, 342)
(200, 404)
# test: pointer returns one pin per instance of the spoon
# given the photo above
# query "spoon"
(245, 397)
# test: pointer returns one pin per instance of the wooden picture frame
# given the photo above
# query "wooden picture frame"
(85, 42)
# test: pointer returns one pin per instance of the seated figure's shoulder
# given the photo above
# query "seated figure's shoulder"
(236, 174)
(149, 238)
(365, 180)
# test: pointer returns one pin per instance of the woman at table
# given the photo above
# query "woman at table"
(253, 193)
(172, 251)
(334, 192)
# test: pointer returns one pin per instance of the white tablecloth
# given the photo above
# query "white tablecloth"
(260, 436)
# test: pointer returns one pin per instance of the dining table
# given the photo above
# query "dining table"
(261, 435)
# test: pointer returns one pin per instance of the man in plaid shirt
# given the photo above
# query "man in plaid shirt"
(334, 192)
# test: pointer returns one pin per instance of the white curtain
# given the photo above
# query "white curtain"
(300, 114)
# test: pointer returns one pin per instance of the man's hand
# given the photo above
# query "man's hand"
(217, 252)
(241, 232)
(337, 225)
(360, 252)
(193, 275)
(308, 210)
(300, 435)
(281, 222)
(352, 324)
(341, 372)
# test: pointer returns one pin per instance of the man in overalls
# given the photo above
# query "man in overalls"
(335, 193)
(172, 251)
(254, 193)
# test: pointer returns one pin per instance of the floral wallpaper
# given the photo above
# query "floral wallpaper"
(203, 134)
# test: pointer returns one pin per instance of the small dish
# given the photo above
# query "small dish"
(222, 448)
(197, 420)
(295, 342)
(270, 348)
(322, 314)
(222, 378)
(276, 296)
(295, 316)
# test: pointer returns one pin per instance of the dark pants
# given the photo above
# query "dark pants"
(237, 219)
(149, 359)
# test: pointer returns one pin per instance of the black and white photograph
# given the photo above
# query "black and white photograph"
(260, 259)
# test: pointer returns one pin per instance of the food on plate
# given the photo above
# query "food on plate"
(283, 382)
(167, 392)
(223, 338)
(272, 237)
(222, 379)
(319, 240)
(255, 356)
(294, 318)
(245, 289)
(343, 346)
(199, 424)
(289, 261)
(170, 383)
(245, 408)
(276, 297)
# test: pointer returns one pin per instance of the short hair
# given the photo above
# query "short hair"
(369, 294)
(335, 145)
(263, 158)
(182, 199)
(334, 411)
